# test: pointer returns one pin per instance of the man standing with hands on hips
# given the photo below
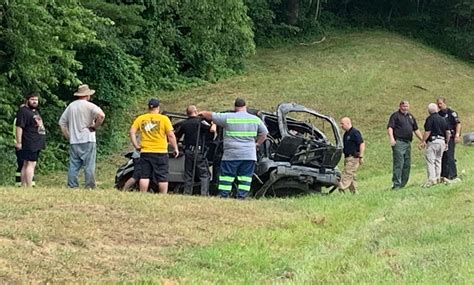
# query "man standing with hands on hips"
(78, 124)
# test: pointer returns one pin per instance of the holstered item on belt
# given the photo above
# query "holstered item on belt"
(193, 148)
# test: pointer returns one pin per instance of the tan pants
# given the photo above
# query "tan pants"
(351, 164)
(433, 155)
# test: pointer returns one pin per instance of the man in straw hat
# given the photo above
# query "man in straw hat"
(78, 124)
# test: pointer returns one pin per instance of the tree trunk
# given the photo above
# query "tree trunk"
(293, 12)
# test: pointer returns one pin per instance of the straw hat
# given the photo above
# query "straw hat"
(83, 90)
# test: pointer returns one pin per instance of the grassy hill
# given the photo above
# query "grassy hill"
(51, 234)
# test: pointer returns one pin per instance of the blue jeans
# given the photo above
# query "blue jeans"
(229, 171)
(82, 155)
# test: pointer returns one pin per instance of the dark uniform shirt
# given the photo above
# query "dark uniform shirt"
(403, 126)
(451, 117)
(437, 125)
(33, 136)
(352, 140)
(189, 128)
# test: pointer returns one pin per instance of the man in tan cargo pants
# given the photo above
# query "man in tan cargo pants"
(354, 148)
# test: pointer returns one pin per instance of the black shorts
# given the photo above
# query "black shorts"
(28, 155)
(154, 166)
(137, 168)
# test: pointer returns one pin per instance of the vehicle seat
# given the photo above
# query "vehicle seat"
(287, 148)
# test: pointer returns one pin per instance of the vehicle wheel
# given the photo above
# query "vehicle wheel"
(177, 188)
(121, 181)
(285, 188)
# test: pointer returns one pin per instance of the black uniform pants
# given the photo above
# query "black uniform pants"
(201, 171)
(448, 164)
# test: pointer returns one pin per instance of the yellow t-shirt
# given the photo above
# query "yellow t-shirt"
(153, 129)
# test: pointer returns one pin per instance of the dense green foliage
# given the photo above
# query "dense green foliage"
(119, 48)
(127, 48)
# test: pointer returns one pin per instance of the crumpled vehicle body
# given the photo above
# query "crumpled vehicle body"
(299, 156)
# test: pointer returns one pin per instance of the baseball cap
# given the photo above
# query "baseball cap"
(153, 103)
(239, 102)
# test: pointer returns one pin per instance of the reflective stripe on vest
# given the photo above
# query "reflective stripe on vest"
(241, 133)
(232, 121)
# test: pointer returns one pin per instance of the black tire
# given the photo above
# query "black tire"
(285, 188)
(121, 181)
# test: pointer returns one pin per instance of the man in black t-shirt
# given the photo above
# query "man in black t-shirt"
(354, 148)
(400, 129)
(435, 141)
(30, 137)
(195, 131)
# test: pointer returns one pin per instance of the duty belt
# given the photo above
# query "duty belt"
(193, 147)
(436, 138)
(355, 155)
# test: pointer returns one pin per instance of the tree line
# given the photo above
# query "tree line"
(126, 48)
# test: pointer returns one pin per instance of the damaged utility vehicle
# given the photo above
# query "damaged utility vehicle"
(300, 154)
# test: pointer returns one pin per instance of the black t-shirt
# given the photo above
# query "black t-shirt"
(451, 117)
(437, 125)
(189, 128)
(352, 140)
(34, 133)
(403, 125)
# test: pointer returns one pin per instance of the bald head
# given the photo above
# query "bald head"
(432, 108)
(191, 111)
(346, 123)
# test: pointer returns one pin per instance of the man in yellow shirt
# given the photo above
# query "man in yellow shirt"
(155, 131)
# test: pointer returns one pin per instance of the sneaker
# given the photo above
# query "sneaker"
(427, 184)
(446, 180)
(456, 180)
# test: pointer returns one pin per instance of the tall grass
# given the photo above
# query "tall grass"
(416, 235)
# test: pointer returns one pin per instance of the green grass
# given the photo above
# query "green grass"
(51, 234)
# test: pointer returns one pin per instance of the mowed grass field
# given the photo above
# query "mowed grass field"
(54, 235)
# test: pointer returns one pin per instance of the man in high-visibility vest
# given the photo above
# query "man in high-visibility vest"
(243, 134)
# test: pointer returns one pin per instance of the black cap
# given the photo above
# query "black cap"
(239, 102)
(153, 103)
